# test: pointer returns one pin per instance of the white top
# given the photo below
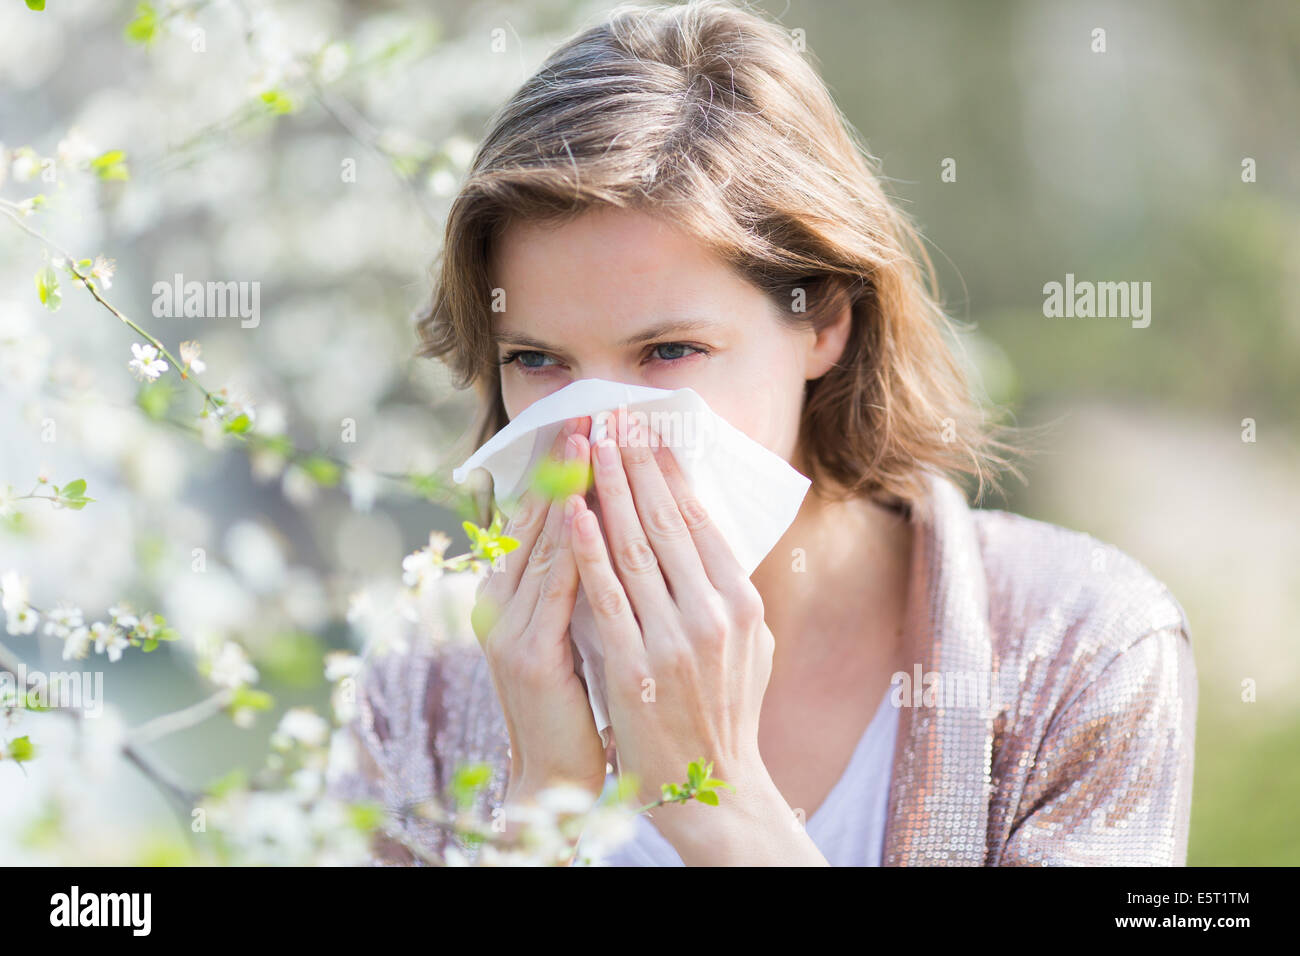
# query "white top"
(849, 826)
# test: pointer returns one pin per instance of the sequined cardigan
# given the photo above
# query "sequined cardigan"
(1086, 761)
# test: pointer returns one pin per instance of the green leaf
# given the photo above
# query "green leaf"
(427, 486)
(144, 28)
(295, 658)
(239, 425)
(467, 781)
(707, 796)
(366, 816)
(278, 102)
(75, 489)
(150, 644)
(155, 398)
(47, 287)
(277, 444)
(695, 774)
(559, 479)
(21, 748)
(248, 698)
(321, 470)
(35, 4)
(236, 779)
(111, 165)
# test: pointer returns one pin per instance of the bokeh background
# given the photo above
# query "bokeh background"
(237, 120)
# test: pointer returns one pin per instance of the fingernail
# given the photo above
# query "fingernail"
(586, 524)
(607, 452)
(571, 448)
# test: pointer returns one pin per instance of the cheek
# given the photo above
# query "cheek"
(517, 393)
(767, 411)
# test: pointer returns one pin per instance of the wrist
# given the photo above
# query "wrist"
(752, 825)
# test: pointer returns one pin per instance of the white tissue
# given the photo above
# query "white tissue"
(750, 493)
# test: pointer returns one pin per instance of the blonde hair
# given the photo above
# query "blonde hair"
(705, 113)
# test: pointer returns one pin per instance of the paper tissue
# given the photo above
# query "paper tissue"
(749, 492)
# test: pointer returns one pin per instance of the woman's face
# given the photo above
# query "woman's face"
(622, 295)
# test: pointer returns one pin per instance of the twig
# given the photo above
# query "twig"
(161, 777)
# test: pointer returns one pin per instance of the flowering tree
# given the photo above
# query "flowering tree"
(250, 525)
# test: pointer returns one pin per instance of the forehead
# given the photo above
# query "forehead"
(618, 264)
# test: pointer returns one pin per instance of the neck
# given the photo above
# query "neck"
(837, 577)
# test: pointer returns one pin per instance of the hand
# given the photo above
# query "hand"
(675, 607)
(521, 618)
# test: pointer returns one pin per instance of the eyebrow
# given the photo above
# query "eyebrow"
(645, 335)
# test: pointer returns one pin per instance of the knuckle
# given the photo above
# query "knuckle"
(554, 587)
(749, 608)
(523, 516)
(542, 554)
(665, 519)
(635, 556)
(711, 622)
(693, 513)
(675, 658)
(638, 454)
(609, 602)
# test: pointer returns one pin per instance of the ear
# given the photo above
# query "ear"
(826, 347)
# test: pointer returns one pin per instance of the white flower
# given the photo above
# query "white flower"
(298, 486)
(122, 616)
(564, 799)
(421, 568)
(230, 667)
(146, 365)
(109, 638)
(76, 643)
(101, 270)
(459, 150)
(604, 829)
(331, 61)
(341, 664)
(19, 618)
(7, 499)
(62, 620)
(306, 782)
(190, 358)
(26, 165)
(303, 725)
(22, 621)
(14, 586)
(363, 486)
(442, 183)
(75, 150)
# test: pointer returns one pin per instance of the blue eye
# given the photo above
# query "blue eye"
(526, 358)
(673, 346)
(532, 361)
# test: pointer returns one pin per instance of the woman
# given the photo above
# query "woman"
(674, 200)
